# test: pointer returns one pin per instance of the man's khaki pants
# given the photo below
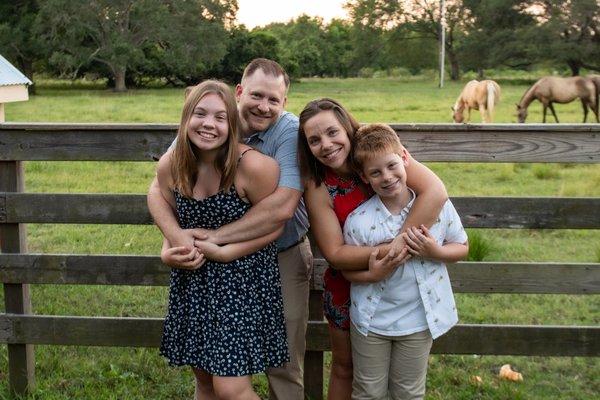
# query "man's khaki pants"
(389, 365)
(295, 266)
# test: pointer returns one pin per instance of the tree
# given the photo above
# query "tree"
(570, 33)
(195, 42)
(177, 37)
(371, 19)
(243, 47)
(500, 33)
(303, 45)
(424, 18)
(18, 42)
(338, 36)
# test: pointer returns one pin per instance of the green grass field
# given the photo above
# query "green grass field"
(124, 373)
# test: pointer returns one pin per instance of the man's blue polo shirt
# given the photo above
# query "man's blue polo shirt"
(280, 141)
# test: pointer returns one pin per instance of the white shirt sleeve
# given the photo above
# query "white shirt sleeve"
(455, 233)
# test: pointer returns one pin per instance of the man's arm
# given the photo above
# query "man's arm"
(257, 179)
(264, 218)
(272, 212)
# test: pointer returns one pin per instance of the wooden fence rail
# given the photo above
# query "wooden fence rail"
(19, 329)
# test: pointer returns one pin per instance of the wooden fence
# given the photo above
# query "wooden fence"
(20, 329)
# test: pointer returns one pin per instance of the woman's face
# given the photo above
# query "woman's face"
(208, 127)
(327, 139)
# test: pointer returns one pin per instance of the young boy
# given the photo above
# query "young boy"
(395, 320)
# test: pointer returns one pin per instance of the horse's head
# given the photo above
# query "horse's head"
(457, 115)
(521, 113)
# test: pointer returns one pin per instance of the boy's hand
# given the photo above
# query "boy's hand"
(399, 246)
(421, 243)
(182, 257)
(382, 268)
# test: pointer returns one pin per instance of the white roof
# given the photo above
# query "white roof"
(9, 75)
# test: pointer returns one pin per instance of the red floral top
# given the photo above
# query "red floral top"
(346, 195)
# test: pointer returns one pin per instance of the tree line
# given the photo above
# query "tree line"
(180, 42)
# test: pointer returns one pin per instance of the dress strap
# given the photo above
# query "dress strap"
(242, 155)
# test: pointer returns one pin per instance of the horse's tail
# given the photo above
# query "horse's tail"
(493, 93)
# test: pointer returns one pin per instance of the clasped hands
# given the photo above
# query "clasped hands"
(191, 249)
(414, 242)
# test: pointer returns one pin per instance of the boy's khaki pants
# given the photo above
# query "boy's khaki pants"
(389, 364)
(295, 267)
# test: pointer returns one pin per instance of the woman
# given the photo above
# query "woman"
(333, 190)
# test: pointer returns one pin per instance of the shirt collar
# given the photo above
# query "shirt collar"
(385, 213)
(261, 135)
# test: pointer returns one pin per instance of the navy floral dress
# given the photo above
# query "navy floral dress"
(225, 318)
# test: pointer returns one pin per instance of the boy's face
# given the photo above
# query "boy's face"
(386, 173)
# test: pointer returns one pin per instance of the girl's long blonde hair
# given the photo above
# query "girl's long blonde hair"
(184, 161)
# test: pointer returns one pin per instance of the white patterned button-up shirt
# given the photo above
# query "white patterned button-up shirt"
(415, 297)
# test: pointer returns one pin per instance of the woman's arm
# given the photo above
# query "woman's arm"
(422, 244)
(431, 196)
(327, 232)
(379, 269)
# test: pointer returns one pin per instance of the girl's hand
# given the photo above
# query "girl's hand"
(210, 250)
(421, 243)
(182, 257)
(382, 268)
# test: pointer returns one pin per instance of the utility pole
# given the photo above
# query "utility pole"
(442, 40)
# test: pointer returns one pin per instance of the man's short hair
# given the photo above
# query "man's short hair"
(371, 140)
(269, 67)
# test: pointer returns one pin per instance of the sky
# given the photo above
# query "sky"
(254, 13)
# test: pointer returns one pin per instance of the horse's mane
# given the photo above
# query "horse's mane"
(528, 91)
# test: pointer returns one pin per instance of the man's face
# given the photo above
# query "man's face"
(261, 99)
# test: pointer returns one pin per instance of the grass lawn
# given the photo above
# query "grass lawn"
(126, 373)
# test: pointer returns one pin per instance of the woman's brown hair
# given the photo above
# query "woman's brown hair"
(184, 161)
(310, 167)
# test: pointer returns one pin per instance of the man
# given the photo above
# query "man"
(261, 97)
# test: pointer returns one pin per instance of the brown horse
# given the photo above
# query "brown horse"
(482, 96)
(596, 79)
(552, 89)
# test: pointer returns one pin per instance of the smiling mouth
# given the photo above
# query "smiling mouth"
(391, 185)
(206, 135)
(331, 155)
(260, 116)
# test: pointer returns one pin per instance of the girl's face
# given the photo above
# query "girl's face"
(208, 127)
(328, 140)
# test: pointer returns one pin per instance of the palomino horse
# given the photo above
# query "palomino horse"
(482, 96)
(553, 89)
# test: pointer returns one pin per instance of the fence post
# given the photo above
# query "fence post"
(13, 239)
(313, 360)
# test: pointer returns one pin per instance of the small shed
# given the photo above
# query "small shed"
(13, 85)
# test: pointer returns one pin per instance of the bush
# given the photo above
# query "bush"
(366, 72)
(480, 247)
(545, 171)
